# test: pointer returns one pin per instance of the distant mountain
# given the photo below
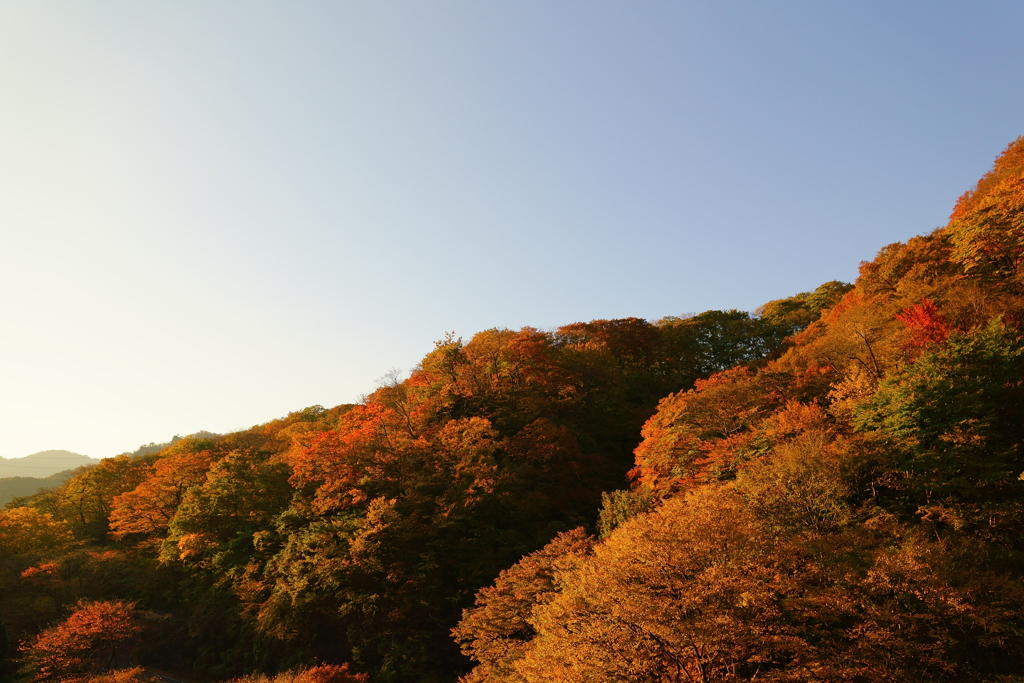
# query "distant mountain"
(16, 487)
(43, 463)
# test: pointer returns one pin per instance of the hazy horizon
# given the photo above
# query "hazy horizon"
(48, 450)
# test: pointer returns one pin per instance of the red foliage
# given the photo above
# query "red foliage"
(332, 673)
(151, 505)
(90, 641)
(925, 323)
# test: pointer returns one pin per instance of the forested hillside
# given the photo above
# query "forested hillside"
(849, 511)
(828, 490)
(16, 487)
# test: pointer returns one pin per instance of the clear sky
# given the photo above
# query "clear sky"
(214, 213)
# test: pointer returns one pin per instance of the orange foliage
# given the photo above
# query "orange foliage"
(900, 268)
(322, 673)
(44, 570)
(149, 507)
(372, 442)
(135, 674)
(632, 340)
(1008, 164)
(691, 592)
(497, 631)
(92, 640)
(680, 444)
(988, 238)
(986, 228)
(26, 530)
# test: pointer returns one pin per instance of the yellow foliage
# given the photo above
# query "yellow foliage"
(26, 530)
(688, 592)
(800, 483)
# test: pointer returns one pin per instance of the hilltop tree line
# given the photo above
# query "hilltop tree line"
(827, 490)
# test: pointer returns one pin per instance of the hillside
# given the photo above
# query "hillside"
(830, 490)
(16, 487)
(849, 511)
(43, 464)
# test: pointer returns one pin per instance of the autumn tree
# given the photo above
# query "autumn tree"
(987, 225)
(953, 421)
(496, 632)
(94, 639)
(697, 435)
(322, 673)
(86, 500)
(26, 530)
(688, 592)
(150, 507)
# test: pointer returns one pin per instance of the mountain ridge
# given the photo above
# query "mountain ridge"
(43, 463)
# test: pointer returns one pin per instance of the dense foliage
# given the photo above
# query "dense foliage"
(358, 534)
(848, 511)
(827, 490)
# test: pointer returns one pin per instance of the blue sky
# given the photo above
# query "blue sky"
(213, 213)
